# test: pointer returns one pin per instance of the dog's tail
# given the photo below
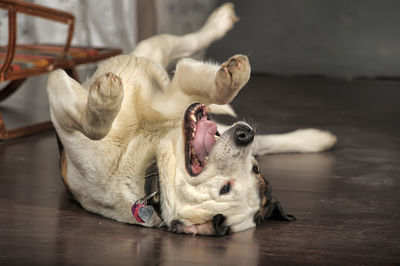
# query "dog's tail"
(301, 141)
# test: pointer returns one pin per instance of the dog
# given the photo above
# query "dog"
(139, 147)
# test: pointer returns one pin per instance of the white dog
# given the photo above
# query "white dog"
(131, 144)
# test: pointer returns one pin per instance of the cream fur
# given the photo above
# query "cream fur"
(129, 113)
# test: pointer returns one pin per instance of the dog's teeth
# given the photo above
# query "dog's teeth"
(193, 152)
(216, 137)
(206, 160)
(193, 117)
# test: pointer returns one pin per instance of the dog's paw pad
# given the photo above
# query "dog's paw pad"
(231, 77)
(108, 85)
(239, 69)
(106, 92)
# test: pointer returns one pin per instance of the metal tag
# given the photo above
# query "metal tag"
(142, 212)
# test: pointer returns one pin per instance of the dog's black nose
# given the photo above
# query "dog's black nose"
(243, 135)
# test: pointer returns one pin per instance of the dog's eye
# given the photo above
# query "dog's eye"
(255, 169)
(225, 189)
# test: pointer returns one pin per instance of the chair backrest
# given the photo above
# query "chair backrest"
(15, 6)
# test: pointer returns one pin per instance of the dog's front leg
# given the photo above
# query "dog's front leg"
(208, 83)
(104, 102)
(93, 112)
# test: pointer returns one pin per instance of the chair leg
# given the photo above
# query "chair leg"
(22, 131)
(27, 130)
(3, 131)
(10, 88)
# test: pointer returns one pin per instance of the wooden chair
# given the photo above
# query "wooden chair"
(19, 62)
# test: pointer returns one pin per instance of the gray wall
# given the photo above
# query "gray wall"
(329, 37)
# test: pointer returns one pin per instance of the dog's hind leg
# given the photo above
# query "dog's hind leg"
(90, 112)
(300, 141)
(165, 48)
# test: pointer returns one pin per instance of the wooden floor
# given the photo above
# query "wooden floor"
(347, 200)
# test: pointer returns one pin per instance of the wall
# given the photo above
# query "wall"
(335, 37)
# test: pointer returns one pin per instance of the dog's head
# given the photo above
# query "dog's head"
(211, 183)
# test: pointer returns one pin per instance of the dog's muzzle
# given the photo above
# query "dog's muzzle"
(243, 134)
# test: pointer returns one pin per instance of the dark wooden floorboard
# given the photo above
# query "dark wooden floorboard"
(346, 200)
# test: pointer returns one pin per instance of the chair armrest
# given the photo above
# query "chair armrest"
(14, 6)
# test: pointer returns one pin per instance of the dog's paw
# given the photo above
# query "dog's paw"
(230, 78)
(105, 93)
(221, 20)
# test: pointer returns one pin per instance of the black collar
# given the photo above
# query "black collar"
(152, 185)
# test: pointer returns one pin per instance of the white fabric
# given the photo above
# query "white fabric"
(111, 23)
(97, 23)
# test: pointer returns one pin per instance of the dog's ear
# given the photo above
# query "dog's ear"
(277, 213)
(272, 210)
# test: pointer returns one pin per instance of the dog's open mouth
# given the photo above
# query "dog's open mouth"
(200, 137)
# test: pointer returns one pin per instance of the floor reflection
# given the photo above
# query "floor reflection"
(236, 249)
(94, 238)
(298, 171)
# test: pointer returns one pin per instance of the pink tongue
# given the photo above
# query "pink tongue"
(204, 140)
